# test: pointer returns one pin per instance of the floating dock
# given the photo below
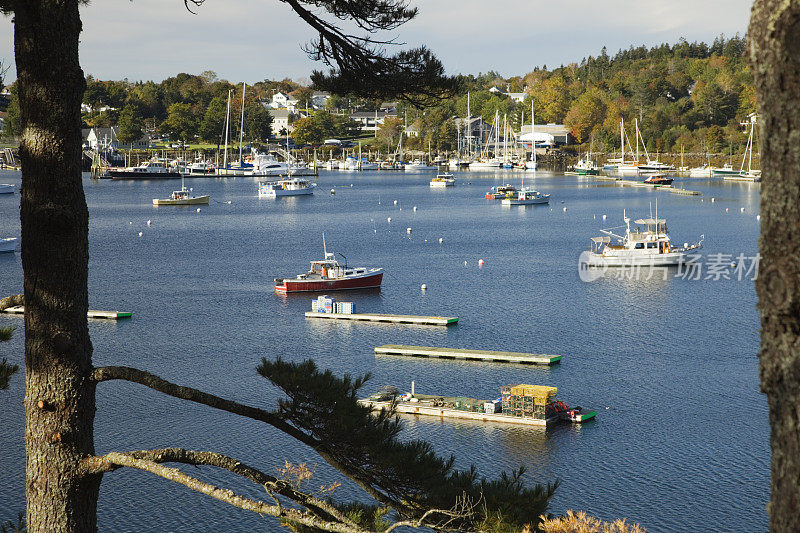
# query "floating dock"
(491, 356)
(105, 315)
(414, 408)
(392, 319)
(685, 192)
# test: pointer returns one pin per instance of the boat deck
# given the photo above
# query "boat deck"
(416, 408)
(393, 319)
(492, 356)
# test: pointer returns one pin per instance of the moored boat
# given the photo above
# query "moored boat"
(182, 197)
(289, 187)
(647, 246)
(6, 188)
(501, 192)
(443, 180)
(527, 197)
(658, 179)
(329, 275)
(146, 171)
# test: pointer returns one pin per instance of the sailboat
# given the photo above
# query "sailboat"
(751, 174)
(182, 197)
(621, 165)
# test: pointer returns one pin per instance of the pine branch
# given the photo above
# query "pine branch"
(228, 496)
(11, 301)
(273, 486)
(187, 393)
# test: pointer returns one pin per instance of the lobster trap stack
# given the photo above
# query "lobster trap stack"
(527, 401)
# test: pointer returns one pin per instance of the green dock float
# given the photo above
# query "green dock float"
(491, 356)
(105, 315)
(392, 319)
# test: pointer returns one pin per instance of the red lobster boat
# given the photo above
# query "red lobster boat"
(329, 275)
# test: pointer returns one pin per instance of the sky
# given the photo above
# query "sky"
(253, 40)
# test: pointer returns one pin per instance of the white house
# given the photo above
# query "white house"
(370, 120)
(106, 139)
(281, 120)
(282, 100)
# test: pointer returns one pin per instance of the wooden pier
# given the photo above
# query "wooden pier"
(413, 408)
(105, 315)
(490, 356)
(393, 319)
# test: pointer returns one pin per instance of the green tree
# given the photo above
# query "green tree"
(213, 123)
(257, 122)
(12, 127)
(131, 124)
(95, 94)
(181, 122)
(587, 114)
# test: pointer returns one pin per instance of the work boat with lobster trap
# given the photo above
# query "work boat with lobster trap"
(646, 245)
(329, 275)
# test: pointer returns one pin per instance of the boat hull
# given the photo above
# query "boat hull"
(126, 175)
(296, 192)
(6, 188)
(288, 285)
(197, 200)
(638, 259)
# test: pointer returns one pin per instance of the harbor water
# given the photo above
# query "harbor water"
(681, 441)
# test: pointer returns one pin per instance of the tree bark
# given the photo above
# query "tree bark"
(59, 393)
(774, 35)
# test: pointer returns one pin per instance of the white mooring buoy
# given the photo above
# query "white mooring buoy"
(140, 234)
(148, 222)
(480, 263)
(441, 240)
(758, 217)
(198, 209)
(424, 287)
(389, 220)
(408, 230)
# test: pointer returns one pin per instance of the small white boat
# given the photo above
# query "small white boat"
(527, 197)
(486, 164)
(703, 171)
(443, 180)
(6, 188)
(201, 167)
(182, 197)
(417, 165)
(8, 244)
(289, 187)
(648, 246)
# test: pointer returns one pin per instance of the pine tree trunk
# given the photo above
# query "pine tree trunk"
(775, 59)
(59, 396)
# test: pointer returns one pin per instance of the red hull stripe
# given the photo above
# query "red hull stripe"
(295, 285)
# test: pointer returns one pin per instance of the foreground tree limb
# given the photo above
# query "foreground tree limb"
(774, 39)
(271, 484)
(188, 393)
(224, 495)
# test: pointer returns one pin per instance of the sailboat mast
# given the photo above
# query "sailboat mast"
(241, 128)
(533, 137)
(227, 129)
